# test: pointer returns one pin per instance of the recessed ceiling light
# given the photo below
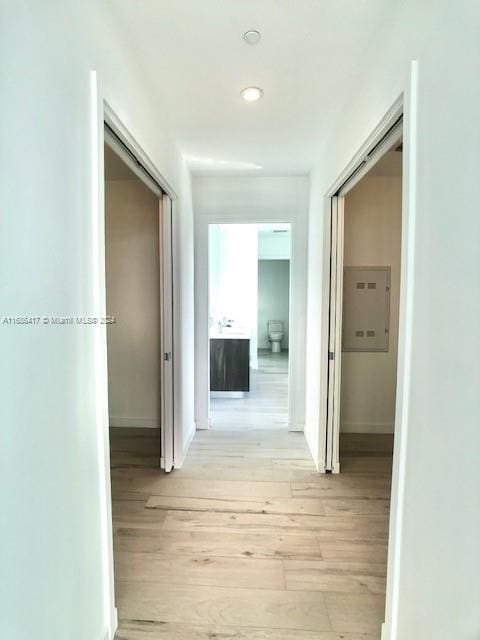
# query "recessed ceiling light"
(252, 36)
(251, 94)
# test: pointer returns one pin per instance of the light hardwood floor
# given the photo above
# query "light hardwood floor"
(247, 541)
(265, 406)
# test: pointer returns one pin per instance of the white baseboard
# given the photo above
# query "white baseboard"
(312, 449)
(201, 426)
(296, 426)
(115, 619)
(128, 422)
(367, 427)
(114, 628)
(383, 635)
(110, 634)
(181, 459)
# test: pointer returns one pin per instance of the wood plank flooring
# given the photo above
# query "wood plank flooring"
(265, 406)
(247, 541)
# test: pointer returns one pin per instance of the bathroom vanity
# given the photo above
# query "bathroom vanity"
(229, 363)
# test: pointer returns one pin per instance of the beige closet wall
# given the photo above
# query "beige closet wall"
(373, 219)
(133, 282)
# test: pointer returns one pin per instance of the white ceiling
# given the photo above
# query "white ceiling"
(196, 62)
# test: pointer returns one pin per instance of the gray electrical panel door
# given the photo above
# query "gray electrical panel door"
(366, 308)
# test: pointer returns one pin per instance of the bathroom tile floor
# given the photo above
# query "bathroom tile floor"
(265, 406)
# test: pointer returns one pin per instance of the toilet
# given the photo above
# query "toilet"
(275, 334)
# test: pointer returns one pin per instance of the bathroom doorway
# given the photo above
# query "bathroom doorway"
(249, 325)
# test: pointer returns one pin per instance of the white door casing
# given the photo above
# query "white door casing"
(166, 297)
(332, 457)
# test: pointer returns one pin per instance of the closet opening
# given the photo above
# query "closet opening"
(138, 280)
(364, 305)
(370, 313)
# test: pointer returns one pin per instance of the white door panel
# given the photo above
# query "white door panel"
(166, 276)
(332, 458)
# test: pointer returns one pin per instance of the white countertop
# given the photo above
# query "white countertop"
(229, 334)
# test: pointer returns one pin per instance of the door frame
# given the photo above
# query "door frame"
(167, 386)
(334, 364)
(291, 315)
(117, 139)
(202, 301)
(377, 144)
(407, 104)
(100, 113)
(389, 133)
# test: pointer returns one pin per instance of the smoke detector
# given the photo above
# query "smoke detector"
(252, 36)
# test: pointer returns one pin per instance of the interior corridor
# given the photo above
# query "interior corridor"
(247, 541)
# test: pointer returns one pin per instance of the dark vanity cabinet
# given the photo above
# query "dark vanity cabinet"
(229, 364)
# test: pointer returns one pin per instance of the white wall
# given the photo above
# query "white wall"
(273, 298)
(233, 274)
(252, 199)
(53, 447)
(433, 583)
(274, 246)
(133, 298)
(183, 335)
(373, 221)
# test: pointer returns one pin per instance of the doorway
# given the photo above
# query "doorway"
(249, 322)
(370, 313)
(364, 305)
(139, 304)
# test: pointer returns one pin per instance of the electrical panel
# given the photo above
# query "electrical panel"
(366, 308)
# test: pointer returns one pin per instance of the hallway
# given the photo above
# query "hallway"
(247, 541)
